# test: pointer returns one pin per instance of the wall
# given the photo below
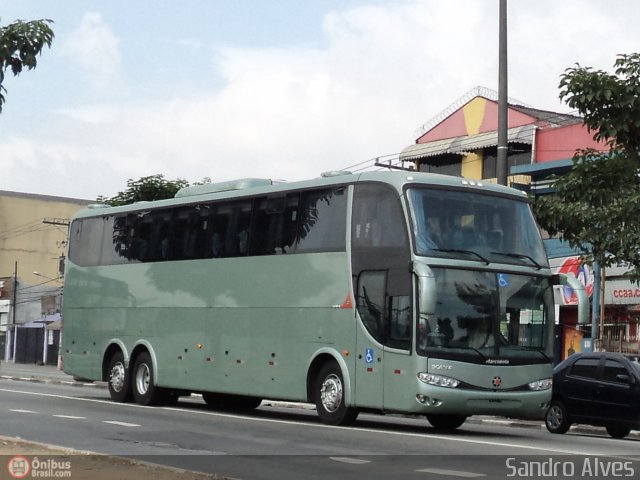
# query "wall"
(25, 239)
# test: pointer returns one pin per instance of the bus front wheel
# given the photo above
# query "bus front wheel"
(118, 378)
(329, 397)
(143, 385)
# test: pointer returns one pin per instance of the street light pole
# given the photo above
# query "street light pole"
(503, 142)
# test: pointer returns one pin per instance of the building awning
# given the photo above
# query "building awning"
(466, 144)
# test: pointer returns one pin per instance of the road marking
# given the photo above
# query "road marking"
(121, 424)
(454, 438)
(451, 473)
(71, 417)
(353, 461)
(22, 411)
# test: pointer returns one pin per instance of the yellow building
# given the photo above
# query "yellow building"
(33, 236)
(33, 233)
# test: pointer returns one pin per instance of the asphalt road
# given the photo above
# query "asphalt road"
(290, 443)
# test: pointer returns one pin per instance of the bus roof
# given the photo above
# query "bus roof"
(256, 186)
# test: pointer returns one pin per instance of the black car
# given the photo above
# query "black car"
(601, 389)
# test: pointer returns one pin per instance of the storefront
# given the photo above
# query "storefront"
(621, 312)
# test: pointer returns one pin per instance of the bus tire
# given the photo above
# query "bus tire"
(557, 419)
(143, 385)
(329, 397)
(118, 379)
(446, 423)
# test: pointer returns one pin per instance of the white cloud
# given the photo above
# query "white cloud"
(94, 49)
(291, 113)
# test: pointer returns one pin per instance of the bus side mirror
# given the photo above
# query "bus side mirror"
(426, 288)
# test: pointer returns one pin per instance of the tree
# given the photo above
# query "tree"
(153, 187)
(20, 44)
(594, 207)
(609, 103)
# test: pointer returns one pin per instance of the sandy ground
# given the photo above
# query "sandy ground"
(82, 465)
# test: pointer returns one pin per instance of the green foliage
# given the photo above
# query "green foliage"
(595, 207)
(153, 187)
(20, 43)
(609, 103)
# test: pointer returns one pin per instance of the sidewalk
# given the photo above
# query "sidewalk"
(39, 373)
(51, 374)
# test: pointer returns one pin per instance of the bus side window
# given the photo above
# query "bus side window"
(322, 227)
(219, 219)
(370, 302)
(237, 235)
(400, 322)
(378, 220)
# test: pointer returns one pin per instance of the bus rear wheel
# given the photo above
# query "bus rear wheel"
(329, 397)
(145, 391)
(118, 379)
(446, 422)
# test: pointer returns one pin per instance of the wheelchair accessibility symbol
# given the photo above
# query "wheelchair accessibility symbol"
(503, 280)
(368, 355)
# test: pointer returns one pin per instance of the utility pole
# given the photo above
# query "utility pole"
(503, 141)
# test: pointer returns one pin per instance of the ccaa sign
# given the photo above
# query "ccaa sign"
(574, 267)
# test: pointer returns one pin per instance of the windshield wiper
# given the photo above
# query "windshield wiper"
(467, 347)
(527, 349)
(521, 256)
(455, 250)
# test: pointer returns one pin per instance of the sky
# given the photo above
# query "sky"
(282, 89)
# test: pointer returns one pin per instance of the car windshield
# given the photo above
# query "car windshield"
(488, 317)
(474, 226)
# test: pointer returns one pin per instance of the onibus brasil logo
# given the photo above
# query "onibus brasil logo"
(21, 467)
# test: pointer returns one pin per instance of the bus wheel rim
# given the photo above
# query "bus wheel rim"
(331, 393)
(117, 377)
(143, 376)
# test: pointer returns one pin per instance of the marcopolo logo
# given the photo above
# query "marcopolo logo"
(22, 467)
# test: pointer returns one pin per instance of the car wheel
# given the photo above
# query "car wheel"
(618, 431)
(557, 419)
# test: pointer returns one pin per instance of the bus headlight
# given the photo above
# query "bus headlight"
(541, 385)
(438, 380)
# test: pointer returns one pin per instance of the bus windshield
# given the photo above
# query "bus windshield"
(472, 226)
(479, 316)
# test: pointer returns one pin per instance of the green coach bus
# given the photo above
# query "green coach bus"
(381, 291)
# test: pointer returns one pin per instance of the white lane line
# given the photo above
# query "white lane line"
(21, 411)
(121, 424)
(451, 473)
(71, 417)
(453, 439)
(353, 461)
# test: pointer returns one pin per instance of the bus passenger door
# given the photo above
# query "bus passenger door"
(370, 304)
